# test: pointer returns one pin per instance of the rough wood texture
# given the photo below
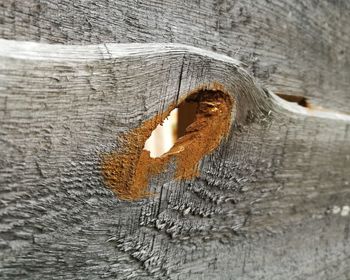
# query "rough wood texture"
(271, 202)
(294, 47)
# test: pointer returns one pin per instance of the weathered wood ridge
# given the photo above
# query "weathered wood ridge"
(294, 47)
(271, 202)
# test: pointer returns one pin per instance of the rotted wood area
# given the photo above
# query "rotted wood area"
(127, 171)
(270, 202)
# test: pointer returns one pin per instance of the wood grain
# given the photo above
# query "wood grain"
(293, 47)
(270, 202)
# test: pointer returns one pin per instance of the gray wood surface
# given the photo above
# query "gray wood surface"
(272, 202)
(293, 47)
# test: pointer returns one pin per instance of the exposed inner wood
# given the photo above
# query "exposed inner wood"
(127, 172)
(164, 136)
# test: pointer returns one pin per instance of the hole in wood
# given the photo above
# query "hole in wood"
(127, 171)
(164, 136)
(174, 127)
(300, 100)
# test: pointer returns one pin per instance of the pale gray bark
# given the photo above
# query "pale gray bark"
(270, 202)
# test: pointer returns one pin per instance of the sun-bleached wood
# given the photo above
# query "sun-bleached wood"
(270, 203)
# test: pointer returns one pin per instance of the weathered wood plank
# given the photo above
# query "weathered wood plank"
(293, 47)
(264, 205)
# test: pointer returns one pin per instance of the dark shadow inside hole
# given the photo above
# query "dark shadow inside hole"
(300, 100)
(186, 116)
